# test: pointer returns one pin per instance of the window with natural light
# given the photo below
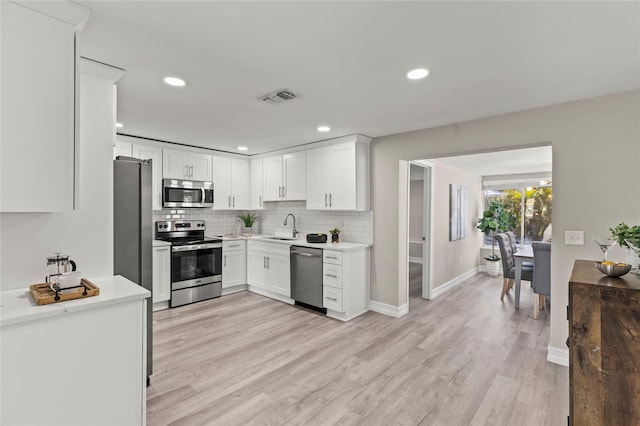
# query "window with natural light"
(530, 208)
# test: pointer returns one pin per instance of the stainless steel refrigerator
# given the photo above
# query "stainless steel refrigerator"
(133, 230)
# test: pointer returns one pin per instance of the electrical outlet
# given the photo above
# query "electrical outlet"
(574, 238)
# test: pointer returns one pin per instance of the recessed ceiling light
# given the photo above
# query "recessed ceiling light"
(324, 128)
(242, 148)
(417, 74)
(175, 81)
(119, 125)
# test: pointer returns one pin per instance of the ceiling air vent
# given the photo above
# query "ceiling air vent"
(279, 96)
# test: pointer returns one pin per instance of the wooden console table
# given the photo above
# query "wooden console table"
(604, 347)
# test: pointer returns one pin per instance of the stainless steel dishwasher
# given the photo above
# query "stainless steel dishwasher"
(306, 277)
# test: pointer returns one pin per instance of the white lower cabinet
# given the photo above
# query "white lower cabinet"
(268, 269)
(345, 283)
(234, 264)
(161, 274)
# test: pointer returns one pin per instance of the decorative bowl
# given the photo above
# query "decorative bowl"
(612, 269)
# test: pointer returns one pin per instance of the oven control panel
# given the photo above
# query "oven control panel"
(179, 225)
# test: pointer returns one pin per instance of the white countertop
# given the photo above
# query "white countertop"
(342, 246)
(17, 306)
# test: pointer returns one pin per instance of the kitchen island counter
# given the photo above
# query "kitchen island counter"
(17, 306)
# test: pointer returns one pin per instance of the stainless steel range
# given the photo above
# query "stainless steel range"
(196, 261)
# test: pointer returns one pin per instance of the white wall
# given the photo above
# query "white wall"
(587, 137)
(453, 258)
(86, 234)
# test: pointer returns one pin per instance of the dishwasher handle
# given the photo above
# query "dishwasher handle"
(305, 254)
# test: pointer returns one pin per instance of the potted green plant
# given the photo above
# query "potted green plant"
(248, 220)
(625, 232)
(495, 219)
(335, 235)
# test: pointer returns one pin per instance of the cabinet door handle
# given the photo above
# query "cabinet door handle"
(268, 262)
(325, 199)
(331, 257)
(284, 192)
(229, 202)
(260, 199)
(225, 261)
(331, 298)
(329, 275)
(264, 262)
(190, 171)
(233, 204)
(330, 201)
(234, 245)
(279, 192)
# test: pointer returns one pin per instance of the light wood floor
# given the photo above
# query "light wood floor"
(463, 358)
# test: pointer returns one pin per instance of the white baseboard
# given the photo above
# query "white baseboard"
(389, 310)
(558, 355)
(435, 292)
(415, 260)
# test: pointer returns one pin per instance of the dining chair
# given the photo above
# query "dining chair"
(541, 275)
(514, 246)
(509, 265)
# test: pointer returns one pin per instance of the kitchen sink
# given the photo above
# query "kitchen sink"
(280, 238)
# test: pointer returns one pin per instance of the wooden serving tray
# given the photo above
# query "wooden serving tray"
(43, 295)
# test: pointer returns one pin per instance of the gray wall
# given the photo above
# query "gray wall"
(596, 152)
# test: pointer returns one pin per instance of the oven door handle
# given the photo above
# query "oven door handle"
(196, 247)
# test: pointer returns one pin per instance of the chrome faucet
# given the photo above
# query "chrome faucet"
(295, 231)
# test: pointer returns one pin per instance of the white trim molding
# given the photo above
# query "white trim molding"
(389, 310)
(435, 292)
(558, 356)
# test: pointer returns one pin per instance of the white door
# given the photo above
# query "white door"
(318, 179)
(294, 176)
(256, 269)
(272, 168)
(279, 274)
(234, 268)
(175, 164)
(240, 184)
(221, 183)
(256, 185)
(201, 167)
(122, 148)
(341, 167)
(161, 274)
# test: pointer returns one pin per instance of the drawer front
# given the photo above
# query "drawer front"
(233, 245)
(332, 298)
(283, 249)
(258, 246)
(332, 256)
(332, 275)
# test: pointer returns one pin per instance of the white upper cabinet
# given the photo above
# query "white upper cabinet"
(153, 153)
(122, 148)
(230, 183)
(257, 190)
(338, 176)
(39, 134)
(285, 177)
(186, 165)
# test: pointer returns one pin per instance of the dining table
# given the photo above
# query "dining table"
(522, 254)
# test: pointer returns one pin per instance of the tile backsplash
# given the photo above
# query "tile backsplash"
(356, 227)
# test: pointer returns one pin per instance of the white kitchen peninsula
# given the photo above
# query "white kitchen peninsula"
(77, 362)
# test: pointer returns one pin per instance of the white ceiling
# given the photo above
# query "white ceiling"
(348, 61)
(499, 163)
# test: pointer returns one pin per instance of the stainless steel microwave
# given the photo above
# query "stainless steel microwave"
(186, 193)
